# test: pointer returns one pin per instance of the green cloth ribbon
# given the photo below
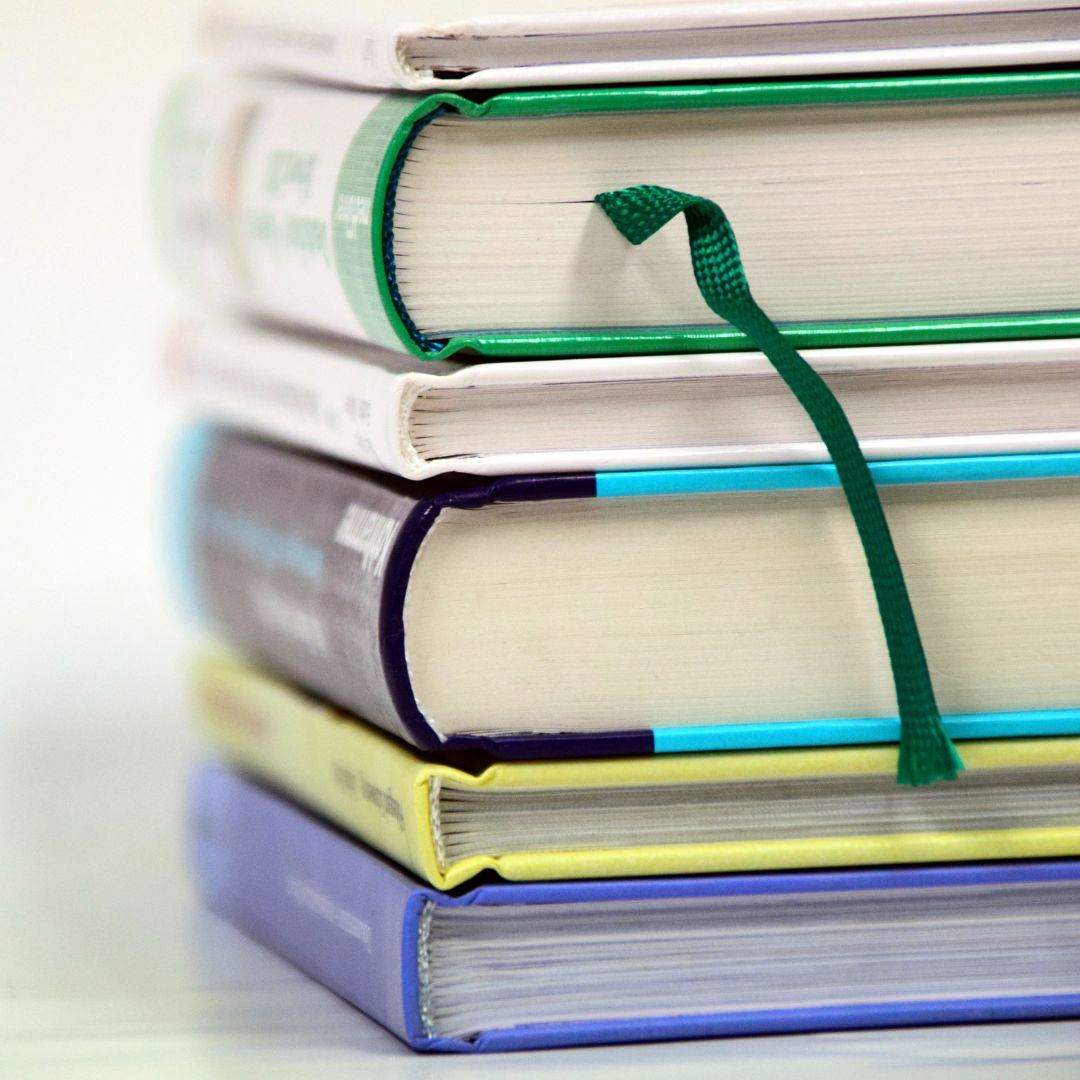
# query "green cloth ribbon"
(926, 752)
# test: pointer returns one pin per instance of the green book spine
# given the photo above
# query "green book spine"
(280, 199)
(270, 196)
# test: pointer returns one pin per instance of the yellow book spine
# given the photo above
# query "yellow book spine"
(387, 795)
(361, 780)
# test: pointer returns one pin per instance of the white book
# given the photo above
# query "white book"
(418, 418)
(424, 45)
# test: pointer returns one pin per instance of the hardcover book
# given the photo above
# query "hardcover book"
(636, 612)
(441, 223)
(524, 966)
(421, 418)
(622, 817)
(451, 45)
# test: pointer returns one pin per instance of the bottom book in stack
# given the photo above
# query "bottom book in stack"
(515, 966)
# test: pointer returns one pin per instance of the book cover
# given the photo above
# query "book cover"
(306, 565)
(380, 409)
(473, 47)
(369, 932)
(281, 199)
(392, 798)
(302, 889)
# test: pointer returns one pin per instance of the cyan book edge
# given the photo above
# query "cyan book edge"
(184, 475)
(816, 475)
(853, 732)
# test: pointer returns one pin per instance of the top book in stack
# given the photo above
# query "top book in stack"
(447, 44)
(879, 210)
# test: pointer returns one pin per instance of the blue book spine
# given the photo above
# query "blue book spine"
(353, 922)
(338, 913)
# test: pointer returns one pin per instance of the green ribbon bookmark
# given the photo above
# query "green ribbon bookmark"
(926, 752)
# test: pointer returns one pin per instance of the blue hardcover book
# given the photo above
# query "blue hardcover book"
(637, 613)
(514, 967)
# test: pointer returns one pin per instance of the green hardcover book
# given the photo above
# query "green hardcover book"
(868, 210)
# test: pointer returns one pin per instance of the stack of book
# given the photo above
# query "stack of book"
(561, 709)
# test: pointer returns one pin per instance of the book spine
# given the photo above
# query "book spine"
(347, 52)
(366, 783)
(323, 903)
(266, 197)
(309, 396)
(290, 557)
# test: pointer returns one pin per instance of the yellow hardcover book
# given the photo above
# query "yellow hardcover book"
(625, 817)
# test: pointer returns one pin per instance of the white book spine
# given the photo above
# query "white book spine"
(356, 405)
(348, 46)
(307, 396)
(355, 51)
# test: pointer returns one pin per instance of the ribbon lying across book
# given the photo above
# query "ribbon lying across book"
(926, 752)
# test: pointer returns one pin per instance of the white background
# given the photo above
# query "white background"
(83, 421)
(107, 966)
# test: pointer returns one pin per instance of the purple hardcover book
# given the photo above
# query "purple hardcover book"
(507, 966)
(371, 592)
